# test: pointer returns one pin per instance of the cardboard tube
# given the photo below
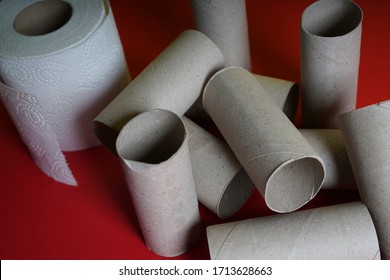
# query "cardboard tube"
(367, 133)
(343, 232)
(284, 93)
(280, 162)
(173, 81)
(61, 63)
(225, 22)
(329, 145)
(222, 185)
(330, 55)
(154, 153)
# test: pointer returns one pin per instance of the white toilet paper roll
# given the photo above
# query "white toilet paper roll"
(61, 63)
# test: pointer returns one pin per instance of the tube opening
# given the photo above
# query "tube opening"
(293, 184)
(291, 104)
(152, 137)
(331, 18)
(106, 135)
(43, 17)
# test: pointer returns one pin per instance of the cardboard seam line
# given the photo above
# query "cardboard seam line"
(384, 107)
(275, 153)
(227, 237)
(377, 253)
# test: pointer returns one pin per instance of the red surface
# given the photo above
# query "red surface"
(43, 219)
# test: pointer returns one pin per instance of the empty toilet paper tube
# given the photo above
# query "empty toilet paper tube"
(283, 166)
(173, 81)
(222, 185)
(154, 154)
(343, 231)
(367, 133)
(59, 70)
(330, 146)
(225, 22)
(285, 94)
(330, 55)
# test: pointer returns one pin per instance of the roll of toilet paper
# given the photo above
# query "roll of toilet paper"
(61, 63)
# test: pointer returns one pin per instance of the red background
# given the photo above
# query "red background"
(43, 219)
